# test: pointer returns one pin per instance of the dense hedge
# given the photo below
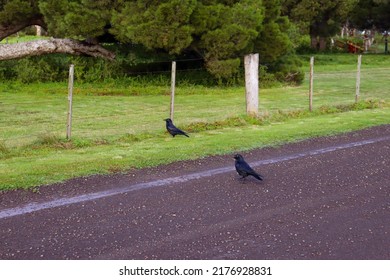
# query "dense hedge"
(132, 62)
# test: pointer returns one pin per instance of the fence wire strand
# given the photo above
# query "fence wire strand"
(90, 123)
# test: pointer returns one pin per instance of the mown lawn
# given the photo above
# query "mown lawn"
(118, 126)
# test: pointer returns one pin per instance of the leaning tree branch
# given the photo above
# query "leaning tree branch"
(9, 29)
(41, 47)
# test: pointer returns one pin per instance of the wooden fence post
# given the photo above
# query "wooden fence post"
(173, 85)
(70, 100)
(311, 85)
(251, 63)
(358, 78)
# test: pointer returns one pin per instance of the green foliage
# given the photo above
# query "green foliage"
(216, 30)
(275, 37)
(159, 24)
(54, 68)
(319, 19)
(29, 70)
(267, 79)
(76, 18)
(16, 10)
(280, 58)
(133, 66)
(288, 70)
(228, 31)
(177, 25)
(220, 32)
(223, 69)
(7, 70)
(97, 69)
(369, 14)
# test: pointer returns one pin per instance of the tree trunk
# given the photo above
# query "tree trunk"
(7, 30)
(314, 42)
(41, 47)
(323, 43)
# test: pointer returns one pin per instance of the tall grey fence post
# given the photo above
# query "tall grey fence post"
(358, 78)
(173, 85)
(70, 100)
(311, 85)
(251, 62)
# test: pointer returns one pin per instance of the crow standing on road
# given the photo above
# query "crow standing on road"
(243, 168)
(173, 130)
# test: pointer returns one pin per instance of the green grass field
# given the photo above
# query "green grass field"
(118, 126)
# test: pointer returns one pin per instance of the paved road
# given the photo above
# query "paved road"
(325, 198)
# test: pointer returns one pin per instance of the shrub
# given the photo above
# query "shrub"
(136, 64)
(7, 70)
(288, 70)
(33, 69)
(225, 71)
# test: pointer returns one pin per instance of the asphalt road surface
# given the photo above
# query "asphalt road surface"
(325, 198)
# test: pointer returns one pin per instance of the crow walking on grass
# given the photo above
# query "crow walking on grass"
(173, 130)
(243, 168)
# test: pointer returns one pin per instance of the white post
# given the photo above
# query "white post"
(251, 63)
(358, 78)
(70, 100)
(311, 86)
(38, 30)
(173, 84)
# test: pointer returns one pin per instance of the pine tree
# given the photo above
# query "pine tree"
(320, 19)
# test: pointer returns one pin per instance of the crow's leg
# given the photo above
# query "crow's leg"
(242, 179)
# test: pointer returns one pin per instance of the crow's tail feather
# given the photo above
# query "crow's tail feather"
(258, 176)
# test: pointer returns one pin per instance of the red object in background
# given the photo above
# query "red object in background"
(352, 48)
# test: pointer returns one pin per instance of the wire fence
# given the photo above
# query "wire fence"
(27, 118)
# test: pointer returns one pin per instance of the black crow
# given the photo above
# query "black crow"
(173, 130)
(243, 168)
